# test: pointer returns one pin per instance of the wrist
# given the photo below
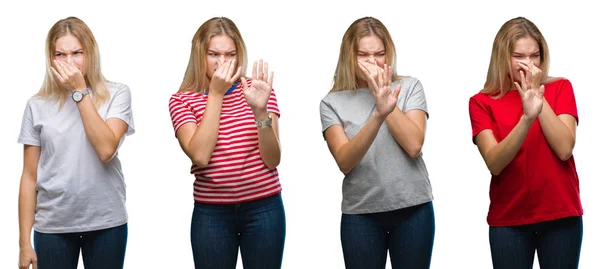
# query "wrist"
(378, 116)
(260, 114)
(528, 121)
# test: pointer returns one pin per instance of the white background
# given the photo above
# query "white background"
(446, 45)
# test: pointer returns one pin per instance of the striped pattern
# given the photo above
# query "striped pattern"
(235, 173)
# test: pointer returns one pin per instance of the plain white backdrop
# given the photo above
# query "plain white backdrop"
(446, 45)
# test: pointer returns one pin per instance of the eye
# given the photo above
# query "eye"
(212, 54)
(58, 54)
(78, 52)
(232, 55)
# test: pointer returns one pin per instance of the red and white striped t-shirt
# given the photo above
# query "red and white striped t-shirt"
(235, 173)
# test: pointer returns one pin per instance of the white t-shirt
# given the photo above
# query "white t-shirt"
(76, 191)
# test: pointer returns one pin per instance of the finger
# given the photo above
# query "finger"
(56, 74)
(380, 80)
(244, 84)
(523, 82)
(266, 72)
(271, 80)
(231, 69)
(390, 75)
(519, 88)
(237, 75)
(541, 91)
(362, 68)
(397, 92)
(59, 68)
(260, 69)
(35, 265)
(254, 70)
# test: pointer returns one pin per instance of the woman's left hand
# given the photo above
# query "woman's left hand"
(258, 94)
(533, 75)
(68, 75)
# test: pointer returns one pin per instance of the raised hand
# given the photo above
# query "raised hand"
(532, 97)
(380, 84)
(258, 94)
(224, 77)
(68, 75)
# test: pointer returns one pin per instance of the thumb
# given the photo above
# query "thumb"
(397, 92)
(244, 83)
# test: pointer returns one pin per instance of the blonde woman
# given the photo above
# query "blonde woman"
(374, 123)
(524, 125)
(72, 189)
(227, 125)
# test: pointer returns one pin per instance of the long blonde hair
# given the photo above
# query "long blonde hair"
(195, 78)
(345, 77)
(51, 87)
(499, 77)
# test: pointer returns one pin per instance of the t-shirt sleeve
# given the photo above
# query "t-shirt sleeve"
(480, 118)
(272, 106)
(416, 98)
(29, 135)
(120, 108)
(565, 101)
(328, 116)
(181, 112)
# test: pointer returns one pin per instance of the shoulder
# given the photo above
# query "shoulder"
(407, 81)
(39, 102)
(480, 98)
(556, 83)
(116, 87)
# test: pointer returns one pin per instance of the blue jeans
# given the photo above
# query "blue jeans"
(558, 244)
(407, 233)
(256, 227)
(101, 249)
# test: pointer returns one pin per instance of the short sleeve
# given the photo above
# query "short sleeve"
(565, 101)
(29, 135)
(272, 106)
(328, 116)
(480, 118)
(416, 98)
(181, 112)
(120, 108)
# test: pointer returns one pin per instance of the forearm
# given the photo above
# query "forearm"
(350, 154)
(559, 137)
(268, 145)
(203, 142)
(101, 136)
(499, 156)
(406, 133)
(27, 202)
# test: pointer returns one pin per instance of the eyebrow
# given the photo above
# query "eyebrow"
(64, 52)
(518, 53)
(377, 52)
(232, 51)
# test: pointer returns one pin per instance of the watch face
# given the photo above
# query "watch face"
(77, 96)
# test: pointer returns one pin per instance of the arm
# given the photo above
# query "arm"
(558, 130)
(498, 155)
(103, 135)
(408, 129)
(268, 142)
(199, 141)
(27, 203)
(348, 154)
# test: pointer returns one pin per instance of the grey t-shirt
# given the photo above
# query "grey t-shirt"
(386, 178)
(76, 191)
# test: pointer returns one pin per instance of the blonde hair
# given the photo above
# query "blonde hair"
(195, 78)
(51, 87)
(345, 77)
(499, 78)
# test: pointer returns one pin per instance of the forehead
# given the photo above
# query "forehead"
(67, 43)
(221, 43)
(526, 45)
(370, 43)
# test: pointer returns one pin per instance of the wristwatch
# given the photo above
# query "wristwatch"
(266, 123)
(78, 95)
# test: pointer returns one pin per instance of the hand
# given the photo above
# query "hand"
(533, 75)
(380, 84)
(369, 69)
(69, 76)
(27, 257)
(223, 78)
(532, 98)
(258, 94)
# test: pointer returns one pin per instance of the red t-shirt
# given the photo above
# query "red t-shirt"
(235, 172)
(536, 186)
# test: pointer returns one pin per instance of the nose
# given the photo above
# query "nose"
(371, 59)
(69, 58)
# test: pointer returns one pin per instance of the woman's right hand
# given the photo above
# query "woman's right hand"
(224, 77)
(27, 257)
(380, 84)
(532, 97)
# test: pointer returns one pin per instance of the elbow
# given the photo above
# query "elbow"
(106, 155)
(564, 156)
(415, 151)
(200, 161)
(272, 165)
(345, 168)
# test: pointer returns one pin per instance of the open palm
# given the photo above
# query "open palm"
(532, 98)
(380, 84)
(258, 93)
